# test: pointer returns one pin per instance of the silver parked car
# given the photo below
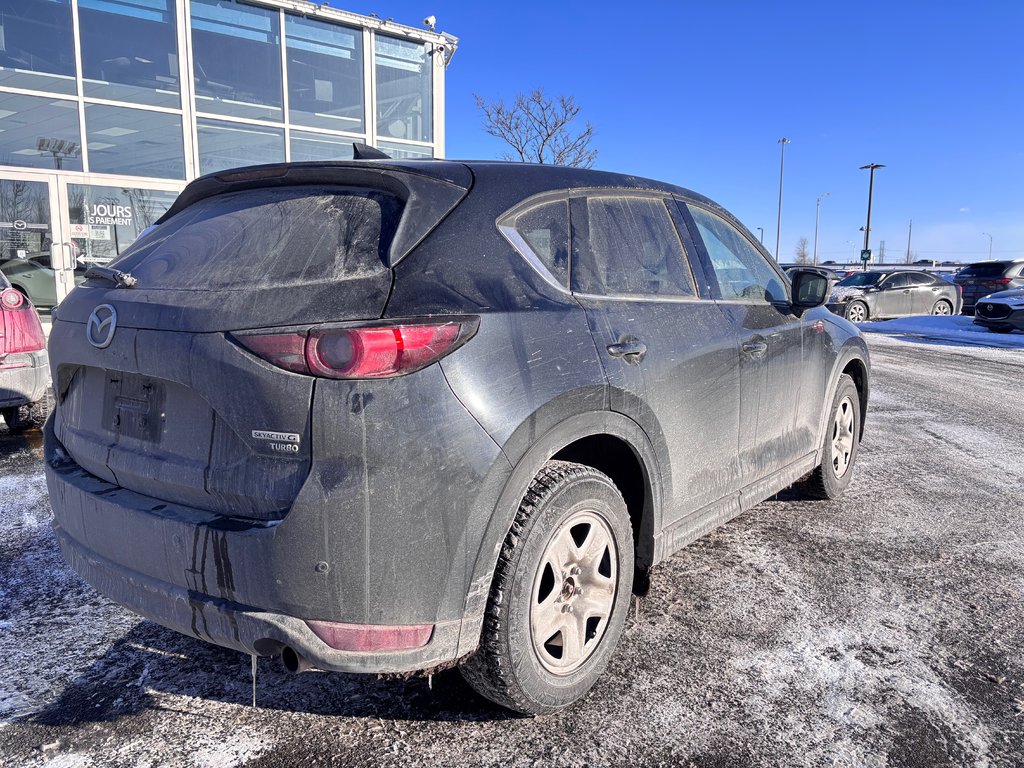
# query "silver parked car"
(875, 295)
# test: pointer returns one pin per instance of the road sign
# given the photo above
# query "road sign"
(865, 255)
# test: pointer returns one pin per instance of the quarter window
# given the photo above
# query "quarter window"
(742, 272)
(633, 249)
(545, 231)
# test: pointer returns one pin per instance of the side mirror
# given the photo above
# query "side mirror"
(810, 289)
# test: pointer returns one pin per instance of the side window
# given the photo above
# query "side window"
(545, 231)
(902, 280)
(742, 272)
(922, 280)
(632, 249)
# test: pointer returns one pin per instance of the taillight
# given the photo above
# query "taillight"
(22, 331)
(1000, 281)
(360, 352)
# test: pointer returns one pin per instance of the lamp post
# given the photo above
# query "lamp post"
(817, 210)
(871, 188)
(782, 167)
(989, 244)
(760, 231)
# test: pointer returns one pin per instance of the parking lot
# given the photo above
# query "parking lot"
(885, 628)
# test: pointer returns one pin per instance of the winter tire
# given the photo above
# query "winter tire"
(857, 312)
(942, 307)
(560, 593)
(842, 439)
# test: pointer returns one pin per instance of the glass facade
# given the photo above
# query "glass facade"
(130, 51)
(102, 100)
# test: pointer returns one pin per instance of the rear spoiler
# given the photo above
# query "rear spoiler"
(430, 190)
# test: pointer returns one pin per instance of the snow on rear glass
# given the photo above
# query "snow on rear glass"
(268, 237)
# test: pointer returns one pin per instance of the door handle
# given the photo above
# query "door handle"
(755, 348)
(631, 351)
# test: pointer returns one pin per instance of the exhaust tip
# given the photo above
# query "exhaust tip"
(293, 661)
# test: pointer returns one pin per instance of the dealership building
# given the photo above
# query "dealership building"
(109, 107)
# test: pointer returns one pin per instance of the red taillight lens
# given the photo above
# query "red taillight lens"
(11, 299)
(22, 331)
(373, 352)
(371, 637)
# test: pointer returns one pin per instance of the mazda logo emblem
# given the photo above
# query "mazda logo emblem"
(101, 326)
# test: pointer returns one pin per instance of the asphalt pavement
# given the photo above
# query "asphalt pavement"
(882, 629)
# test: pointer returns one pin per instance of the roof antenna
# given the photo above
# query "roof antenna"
(366, 152)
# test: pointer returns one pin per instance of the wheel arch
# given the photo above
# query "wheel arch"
(852, 360)
(611, 443)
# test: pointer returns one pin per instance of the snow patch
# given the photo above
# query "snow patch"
(955, 329)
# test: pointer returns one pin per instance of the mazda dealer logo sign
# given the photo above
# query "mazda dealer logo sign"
(101, 326)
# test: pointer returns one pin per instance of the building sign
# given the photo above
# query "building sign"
(99, 233)
(108, 213)
(79, 230)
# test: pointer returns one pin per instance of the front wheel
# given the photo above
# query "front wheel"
(560, 593)
(842, 439)
(857, 312)
(942, 307)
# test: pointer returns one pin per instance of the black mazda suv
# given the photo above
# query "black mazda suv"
(386, 416)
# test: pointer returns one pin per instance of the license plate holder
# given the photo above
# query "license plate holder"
(133, 406)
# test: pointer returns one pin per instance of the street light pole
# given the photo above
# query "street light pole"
(782, 167)
(989, 245)
(760, 231)
(817, 210)
(871, 188)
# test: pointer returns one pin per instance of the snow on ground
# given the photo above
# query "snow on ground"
(954, 329)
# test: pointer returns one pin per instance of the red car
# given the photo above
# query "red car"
(24, 366)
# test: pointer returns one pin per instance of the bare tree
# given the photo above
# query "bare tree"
(539, 129)
(801, 251)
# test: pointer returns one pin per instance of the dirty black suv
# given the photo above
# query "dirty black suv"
(381, 416)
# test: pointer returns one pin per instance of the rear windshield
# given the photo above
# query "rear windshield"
(262, 238)
(995, 269)
(860, 279)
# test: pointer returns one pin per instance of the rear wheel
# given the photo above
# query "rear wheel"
(942, 307)
(842, 439)
(25, 417)
(560, 593)
(857, 312)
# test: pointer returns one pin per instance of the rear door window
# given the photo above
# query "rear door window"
(921, 279)
(631, 248)
(262, 238)
(743, 274)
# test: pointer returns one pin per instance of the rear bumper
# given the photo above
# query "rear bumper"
(244, 628)
(27, 384)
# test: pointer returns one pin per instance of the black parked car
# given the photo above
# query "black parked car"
(985, 277)
(382, 416)
(877, 295)
(1002, 312)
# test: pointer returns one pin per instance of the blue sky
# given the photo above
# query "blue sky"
(698, 94)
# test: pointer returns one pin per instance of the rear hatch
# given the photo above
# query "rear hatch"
(977, 280)
(153, 392)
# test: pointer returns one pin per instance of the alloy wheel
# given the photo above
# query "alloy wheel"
(842, 436)
(573, 593)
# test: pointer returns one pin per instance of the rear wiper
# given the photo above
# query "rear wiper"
(116, 276)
